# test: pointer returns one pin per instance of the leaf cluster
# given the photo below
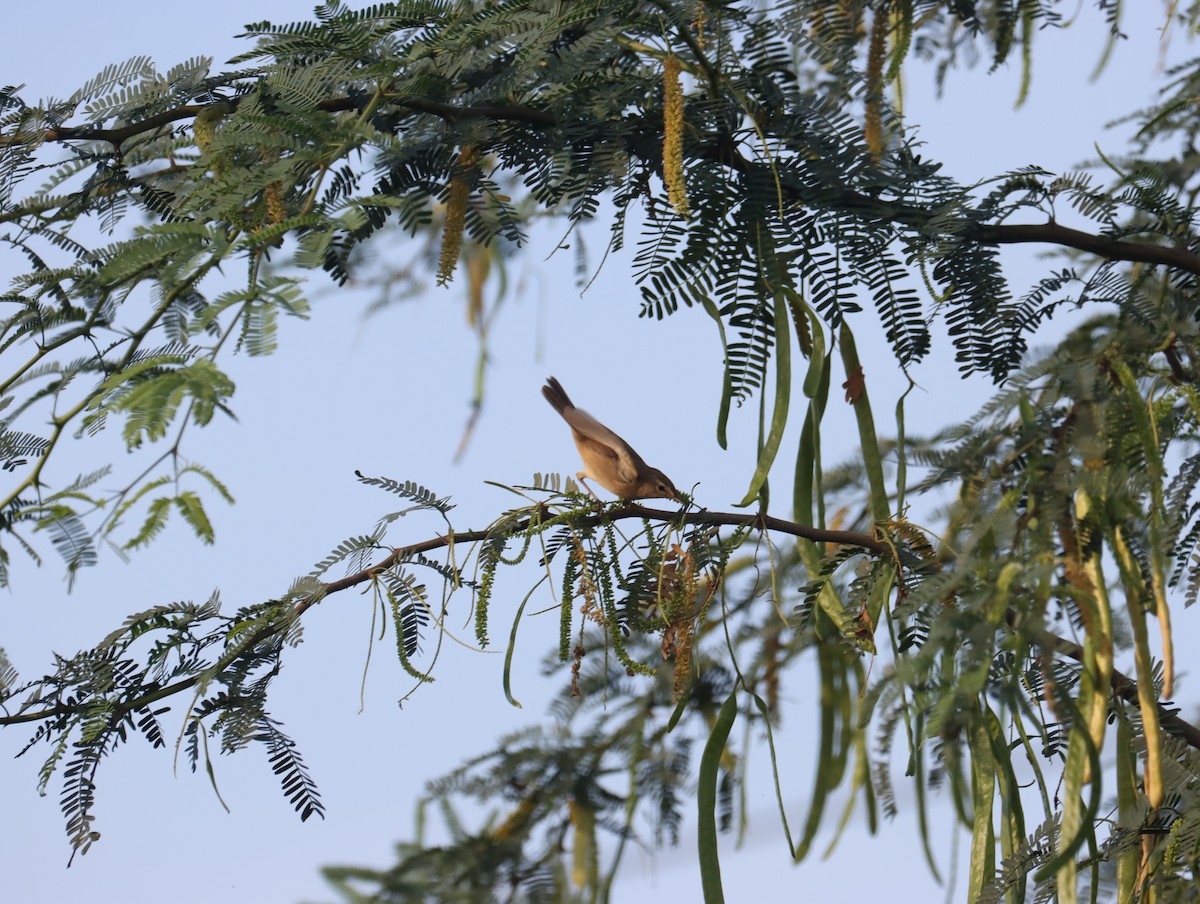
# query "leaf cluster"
(1071, 517)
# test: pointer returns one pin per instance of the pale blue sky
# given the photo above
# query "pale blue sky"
(389, 396)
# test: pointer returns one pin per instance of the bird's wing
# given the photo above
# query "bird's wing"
(599, 435)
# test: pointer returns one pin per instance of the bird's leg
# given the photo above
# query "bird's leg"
(581, 476)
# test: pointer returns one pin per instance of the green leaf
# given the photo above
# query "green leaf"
(150, 405)
(192, 510)
(156, 520)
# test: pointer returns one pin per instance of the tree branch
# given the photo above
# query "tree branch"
(402, 553)
(624, 512)
(117, 137)
(450, 112)
(1123, 686)
(1052, 233)
(725, 153)
(507, 112)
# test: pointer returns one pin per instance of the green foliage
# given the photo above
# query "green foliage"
(343, 123)
(410, 616)
(423, 498)
(1071, 500)
(287, 763)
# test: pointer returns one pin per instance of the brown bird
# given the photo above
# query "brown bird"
(608, 459)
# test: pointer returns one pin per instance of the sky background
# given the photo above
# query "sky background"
(389, 395)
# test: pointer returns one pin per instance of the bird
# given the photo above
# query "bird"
(608, 459)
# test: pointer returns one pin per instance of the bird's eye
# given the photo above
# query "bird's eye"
(661, 488)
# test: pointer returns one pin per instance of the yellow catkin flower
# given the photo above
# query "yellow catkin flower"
(583, 821)
(456, 214)
(203, 131)
(518, 819)
(673, 136)
(699, 21)
(685, 633)
(276, 207)
(274, 199)
(876, 53)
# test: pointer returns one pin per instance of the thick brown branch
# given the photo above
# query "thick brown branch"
(116, 137)
(450, 112)
(507, 112)
(1123, 686)
(873, 208)
(726, 153)
(1109, 249)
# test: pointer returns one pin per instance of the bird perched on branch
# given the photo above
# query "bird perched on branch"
(608, 459)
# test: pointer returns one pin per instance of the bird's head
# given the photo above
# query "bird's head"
(654, 484)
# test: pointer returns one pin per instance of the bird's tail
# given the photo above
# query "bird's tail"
(556, 395)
